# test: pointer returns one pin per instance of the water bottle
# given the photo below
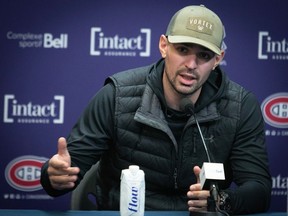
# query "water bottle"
(132, 192)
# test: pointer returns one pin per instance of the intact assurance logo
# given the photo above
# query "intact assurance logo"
(272, 48)
(279, 185)
(23, 173)
(116, 45)
(32, 112)
(275, 113)
(32, 40)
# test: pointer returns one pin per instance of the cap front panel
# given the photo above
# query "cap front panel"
(196, 24)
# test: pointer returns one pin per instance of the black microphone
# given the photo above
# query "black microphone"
(187, 106)
(210, 173)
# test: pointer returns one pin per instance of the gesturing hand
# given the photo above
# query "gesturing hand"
(198, 197)
(61, 174)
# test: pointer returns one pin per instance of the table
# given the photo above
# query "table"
(13, 212)
(10, 212)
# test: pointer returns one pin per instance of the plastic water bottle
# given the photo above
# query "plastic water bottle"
(132, 192)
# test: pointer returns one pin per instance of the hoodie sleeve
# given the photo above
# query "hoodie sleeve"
(89, 138)
(249, 161)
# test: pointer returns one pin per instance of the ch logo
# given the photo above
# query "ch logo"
(275, 110)
(23, 173)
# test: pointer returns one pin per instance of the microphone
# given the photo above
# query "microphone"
(210, 173)
(187, 106)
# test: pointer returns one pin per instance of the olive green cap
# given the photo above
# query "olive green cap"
(196, 24)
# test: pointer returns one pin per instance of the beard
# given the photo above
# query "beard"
(180, 88)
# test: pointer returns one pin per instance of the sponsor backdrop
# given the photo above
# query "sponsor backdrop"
(54, 56)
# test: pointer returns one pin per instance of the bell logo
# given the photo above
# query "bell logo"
(52, 42)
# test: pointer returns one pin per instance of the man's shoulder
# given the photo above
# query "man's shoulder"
(134, 75)
(136, 72)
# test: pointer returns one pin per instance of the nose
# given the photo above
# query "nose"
(191, 62)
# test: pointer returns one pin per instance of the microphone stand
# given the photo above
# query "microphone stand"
(212, 201)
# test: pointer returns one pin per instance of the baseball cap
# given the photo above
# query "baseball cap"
(196, 24)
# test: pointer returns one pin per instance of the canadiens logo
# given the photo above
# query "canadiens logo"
(23, 173)
(275, 110)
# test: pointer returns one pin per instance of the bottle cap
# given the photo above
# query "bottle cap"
(134, 169)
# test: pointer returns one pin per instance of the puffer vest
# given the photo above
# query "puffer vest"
(143, 138)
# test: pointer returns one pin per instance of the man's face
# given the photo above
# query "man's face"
(187, 67)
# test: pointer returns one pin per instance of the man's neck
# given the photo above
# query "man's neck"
(173, 98)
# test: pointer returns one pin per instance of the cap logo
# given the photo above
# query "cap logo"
(200, 25)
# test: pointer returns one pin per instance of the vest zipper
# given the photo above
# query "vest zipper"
(175, 178)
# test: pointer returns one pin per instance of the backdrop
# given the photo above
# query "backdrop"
(55, 55)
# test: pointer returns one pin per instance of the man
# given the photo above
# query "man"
(137, 118)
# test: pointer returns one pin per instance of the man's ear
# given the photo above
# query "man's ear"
(163, 43)
(219, 58)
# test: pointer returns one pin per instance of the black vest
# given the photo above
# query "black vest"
(142, 137)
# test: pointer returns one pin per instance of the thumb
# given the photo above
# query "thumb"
(197, 171)
(63, 151)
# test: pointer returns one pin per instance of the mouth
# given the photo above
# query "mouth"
(187, 79)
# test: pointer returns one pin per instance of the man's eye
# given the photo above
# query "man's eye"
(204, 55)
(182, 50)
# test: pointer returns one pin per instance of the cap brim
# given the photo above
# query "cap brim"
(187, 39)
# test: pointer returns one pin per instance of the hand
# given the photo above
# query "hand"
(198, 197)
(61, 174)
